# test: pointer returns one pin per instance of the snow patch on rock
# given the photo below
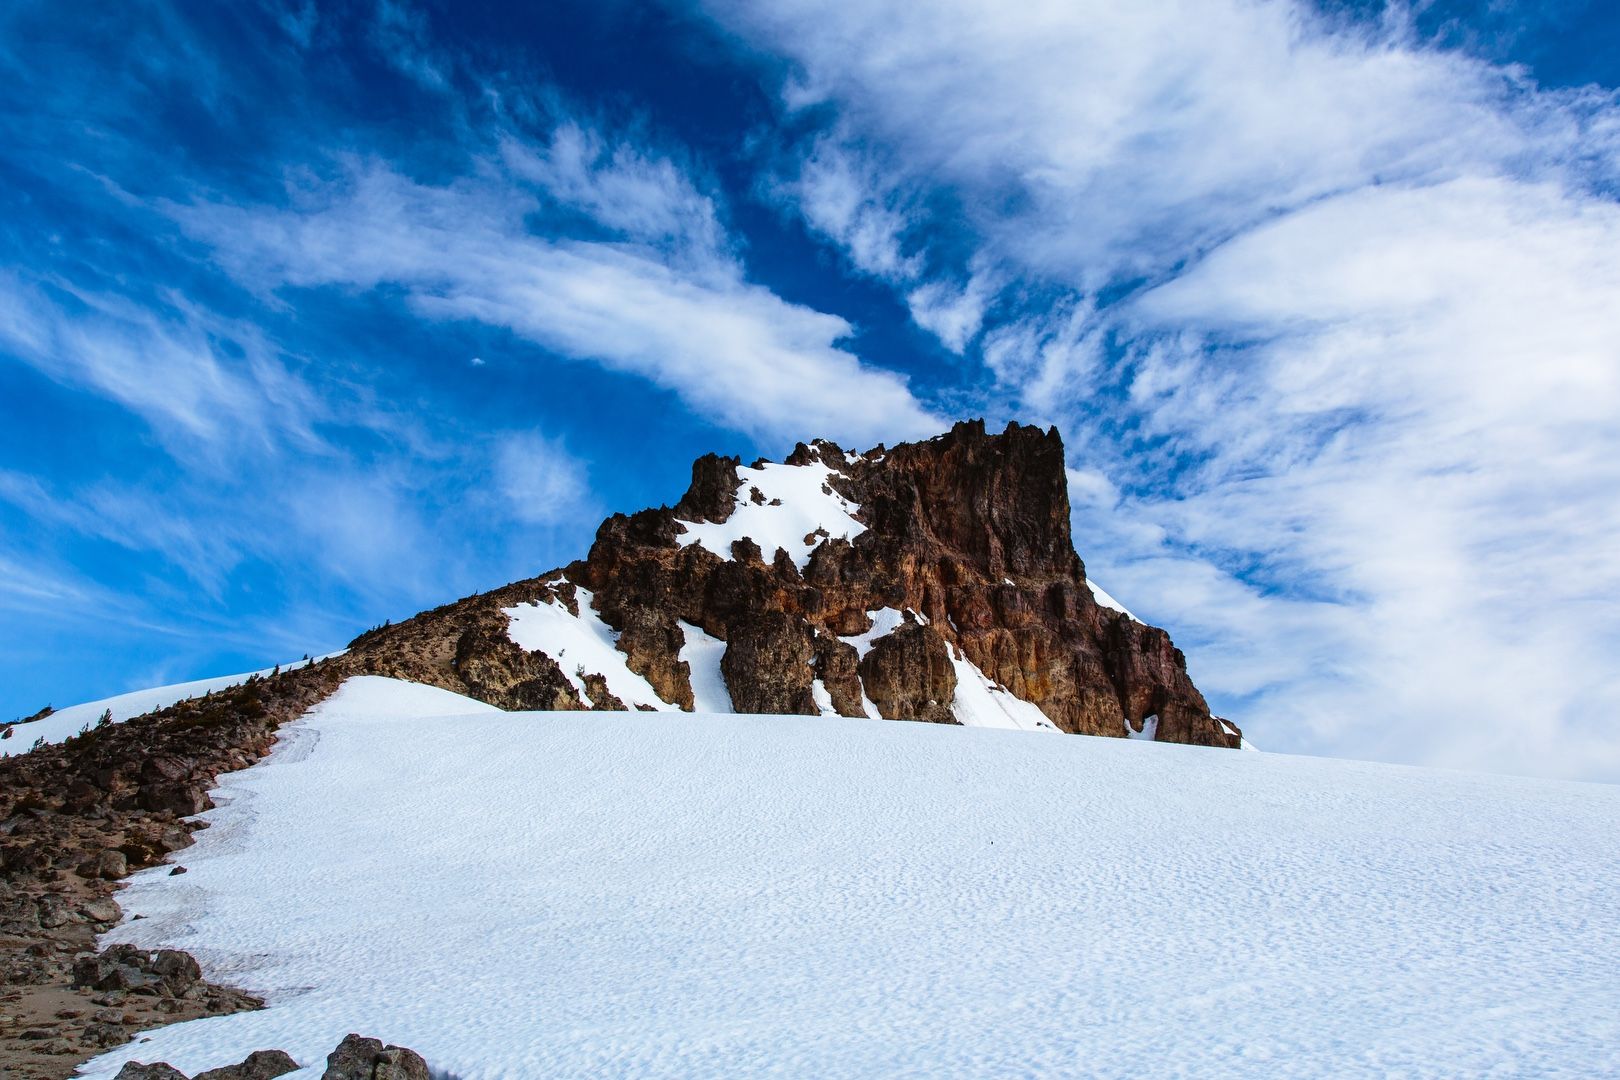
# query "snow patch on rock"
(885, 621)
(702, 653)
(822, 697)
(581, 645)
(982, 702)
(807, 511)
(1107, 601)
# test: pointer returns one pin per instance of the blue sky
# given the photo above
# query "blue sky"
(314, 315)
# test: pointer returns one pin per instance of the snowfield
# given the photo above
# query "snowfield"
(632, 894)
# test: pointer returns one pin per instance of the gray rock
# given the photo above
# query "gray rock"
(259, 1065)
(134, 1070)
(110, 865)
(360, 1058)
(102, 1033)
(102, 910)
(54, 912)
(178, 970)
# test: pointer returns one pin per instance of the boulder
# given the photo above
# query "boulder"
(109, 865)
(259, 1065)
(178, 970)
(134, 1070)
(360, 1058)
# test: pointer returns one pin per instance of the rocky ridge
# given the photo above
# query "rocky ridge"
(963, 538)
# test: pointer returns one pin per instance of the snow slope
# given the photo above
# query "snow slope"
(702, 653)
(569, 894)
(981, 702)
(66, 723)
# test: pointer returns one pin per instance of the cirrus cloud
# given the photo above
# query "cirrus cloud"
(1326, 311)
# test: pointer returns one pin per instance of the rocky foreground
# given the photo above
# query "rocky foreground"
(966, 534)
(356, 1058)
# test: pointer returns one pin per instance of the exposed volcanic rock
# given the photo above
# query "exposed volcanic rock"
(966, 535)
(713, 493)
(356, 1058)
(767, 664)
(908, 673)
(360, 1058)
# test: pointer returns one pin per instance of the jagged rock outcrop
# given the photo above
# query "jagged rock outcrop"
(967, 534)
(908, 673)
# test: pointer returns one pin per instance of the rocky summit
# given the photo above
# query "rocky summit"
(931, 581)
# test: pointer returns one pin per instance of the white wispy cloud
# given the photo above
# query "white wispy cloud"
(540, 481)
(624, 189)
(661, 300)
(1349, 431)
(270, 465)
(163, 361)
(840, 196)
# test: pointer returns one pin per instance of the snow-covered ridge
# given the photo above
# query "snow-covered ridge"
(791, 507)
(65, 723)
(560, 894)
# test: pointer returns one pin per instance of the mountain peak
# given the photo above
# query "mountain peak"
(934, 580)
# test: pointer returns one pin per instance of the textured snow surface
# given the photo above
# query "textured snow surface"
(808, 503)
(571, 894)
(66, 723)
(581, 645)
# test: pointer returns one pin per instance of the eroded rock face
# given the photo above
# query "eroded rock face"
(767, 664)
(968, 532)
(908, 675)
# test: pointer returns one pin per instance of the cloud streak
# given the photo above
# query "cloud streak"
(659, 299)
